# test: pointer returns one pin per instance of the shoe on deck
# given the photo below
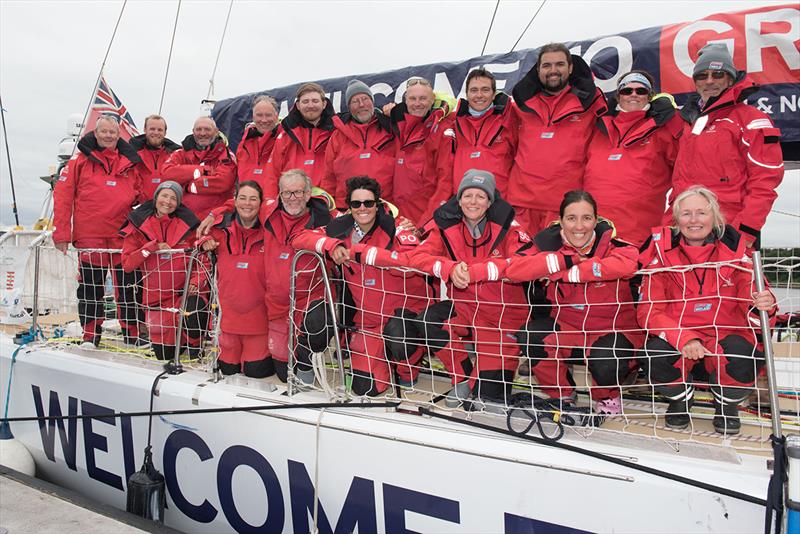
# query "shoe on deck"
(457, 395)
(610, 406)
(677, 416)
(726, 418)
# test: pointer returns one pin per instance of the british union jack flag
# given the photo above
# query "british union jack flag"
(106, 103)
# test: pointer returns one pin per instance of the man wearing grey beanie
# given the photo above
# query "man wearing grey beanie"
(728, 146)
(362, 144)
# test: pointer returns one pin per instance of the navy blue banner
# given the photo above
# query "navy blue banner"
(762, 40)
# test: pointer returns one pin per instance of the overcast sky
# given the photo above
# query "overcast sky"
(51, 53)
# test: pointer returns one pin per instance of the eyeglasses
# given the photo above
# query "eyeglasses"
(288, 195)
(628, 91)
(716, 74)
(355, 204)
(415, 80)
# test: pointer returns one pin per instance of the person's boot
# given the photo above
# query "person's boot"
(677, 416)
(726, 418)
(457, 395)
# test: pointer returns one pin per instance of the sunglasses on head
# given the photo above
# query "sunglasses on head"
(355, 204)
(417, 81)
(716, 74)
(628, 91)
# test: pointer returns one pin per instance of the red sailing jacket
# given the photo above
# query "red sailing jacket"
(240, 275)
(703, 303)
(359, 150)
(734, 150)
(279, 230)
(94, 194)
(253, 156)
(487, 143)
(207, 175)
(300, 145)
(594, 295)
(629, 168)
(414, 179)
(376, 292)
(163, 273)
(153, 159)
(554, 133)
(450, 242)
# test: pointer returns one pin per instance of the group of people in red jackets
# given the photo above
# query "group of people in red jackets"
(530, 208)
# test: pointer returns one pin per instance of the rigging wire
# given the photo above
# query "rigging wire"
(219, 52)
(485, 41)
(529, 25)
(102, 66)
(10, 172)
(169, 57)
(96, 85)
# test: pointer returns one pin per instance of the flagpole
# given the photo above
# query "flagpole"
(8, 157)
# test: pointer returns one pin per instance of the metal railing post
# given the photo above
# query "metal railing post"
(758, 274)
(176, 367)
(36, 244)
(331, 311)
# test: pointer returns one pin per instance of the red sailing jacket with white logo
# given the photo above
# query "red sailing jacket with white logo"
(301, 145)
(594, 295)
(95, 192)
(734, 150)
(279, 230)
(487, 143)
(253, 156)
(240, 275)
(414, 179)
(705, 303)
(359, 150)
(554, 133)
(376, 292)
(163, 273)
(153, 160)
(629, 168)
(450, 242)
(207, 175)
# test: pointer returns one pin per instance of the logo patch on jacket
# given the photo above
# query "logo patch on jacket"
(615, 157)
(156, 180)
(596, 270)
(702, 307)
(547, 135)
(475, 155)
(365, 155)
(369, 282)
(112, 183)
(242, 265)
(284, 256)
(308, 162)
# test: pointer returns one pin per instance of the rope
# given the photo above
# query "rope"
(169, 57)
(216, 63)
(789, 213)
(600, 456)
(485, 41)
(528, 26)
(316, 473)
(257, 408)
(10, 172)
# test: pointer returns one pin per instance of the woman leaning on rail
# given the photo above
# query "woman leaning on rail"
(700, 310)
(238, 239)
(466, 247)
(587, 311)
(152, 237)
